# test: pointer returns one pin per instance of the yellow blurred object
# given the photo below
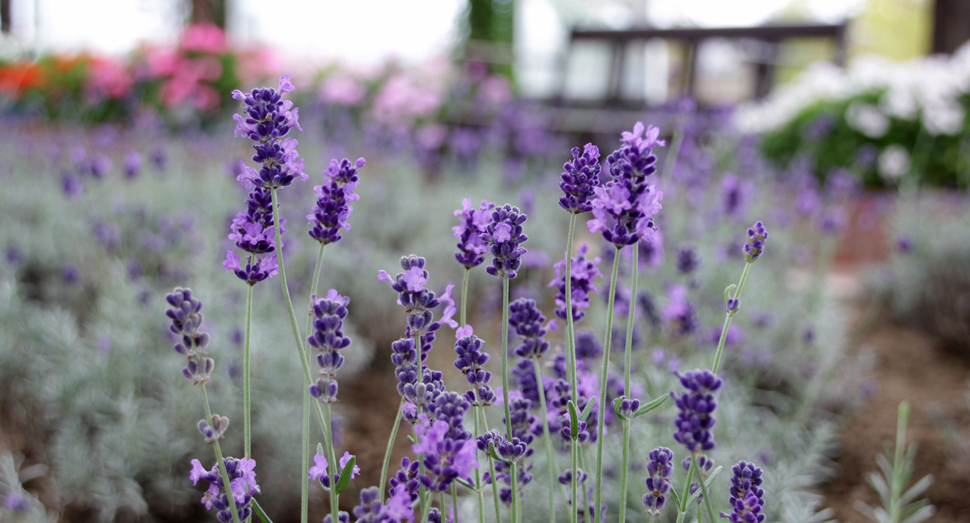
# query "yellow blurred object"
(897, 29)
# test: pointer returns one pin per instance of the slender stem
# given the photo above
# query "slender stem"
(671, 160)
(498, 505)
(574, 457)
(552, 469)
(571, 352)
(627, 364)
(628, 353)
(728, 317)
(608, 340)
(478, 476)
(707, 499)
(334, 501)
(247, 388)
(683, 498)
(514, 507)
(623, 469)
(305, 495)
(305, 463)
(505, 357)
(582, 465)
(454, 503)
(390, 447)
(464, 297)
(899, 466)
(226, 484)
(324, 421)
(570, 326)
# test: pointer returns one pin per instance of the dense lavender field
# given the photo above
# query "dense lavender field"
(663, 373)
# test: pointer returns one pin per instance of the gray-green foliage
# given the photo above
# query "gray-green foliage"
(119, 421)
(12, 477)
(900, 503)
(927, 284)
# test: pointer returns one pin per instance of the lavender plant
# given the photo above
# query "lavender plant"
(649, 377)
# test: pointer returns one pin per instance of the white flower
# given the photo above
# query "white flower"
(943, 118)
(893, 163)
(867, 119)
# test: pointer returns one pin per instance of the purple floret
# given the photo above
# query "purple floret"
(696, 406)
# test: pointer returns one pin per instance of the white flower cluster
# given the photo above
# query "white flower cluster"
(926, 89)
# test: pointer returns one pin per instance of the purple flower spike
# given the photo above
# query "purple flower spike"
(186, 319)
(757, 236)
(580, 175)
(332, 210)
(448, 451)
(584, 271)
(252, 231)
(696, 416)
(504, 239)
(623, 208)
(242, 484)
(659, 467)
(471, 361)
(268, 120)
(329, 314)
(527, 321)
(471, 225)
(747, 497)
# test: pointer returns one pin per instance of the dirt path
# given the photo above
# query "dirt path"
(913, 366)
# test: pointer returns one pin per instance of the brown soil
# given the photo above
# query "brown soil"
(915, 367)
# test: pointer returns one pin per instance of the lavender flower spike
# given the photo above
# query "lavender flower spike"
(242, 484)
(504, 239)
(757, 236)
(268, 120)
(527, 321)
(332, 209)
(696, 405)
(623, 208)
(747, 497)
(471, 225)
(329, 314)
(186, 319)
(580, 176)
(659, 467)
(584, 271)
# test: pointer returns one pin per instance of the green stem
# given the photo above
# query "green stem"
(570, 326)
(574, 457)
(627, 364)
(623, 470)
(514, 507)
(552, 469)
(304, 492)
(900, 471)
(305, 463)
(682, 509)
(608, 340)
(571, 350)
(464, 297)
(220, 461)
(390, 447)
(454, 503)
(495, 498)
(707, 499)
(728, 317)
(324, 421)
(505, 357)
(305, 495)
(478, 476)
(247, 388)
(671, 161)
